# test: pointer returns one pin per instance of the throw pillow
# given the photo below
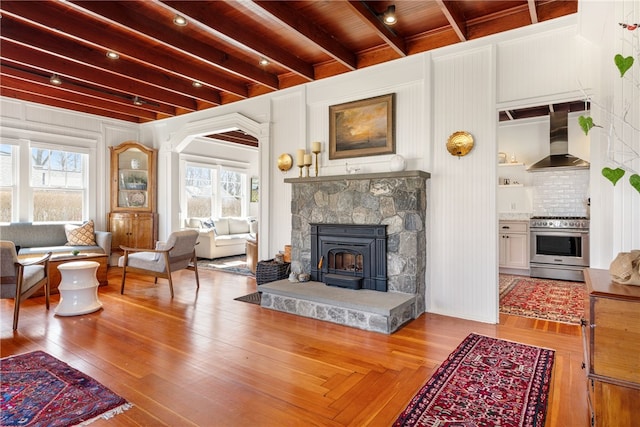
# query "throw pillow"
(208, 223)
(222, 226)
(80, 235)
(194, 223)
(238, 226)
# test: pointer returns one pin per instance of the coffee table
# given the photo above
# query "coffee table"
(56, 260)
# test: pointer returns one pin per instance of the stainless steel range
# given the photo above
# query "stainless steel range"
(559, 247)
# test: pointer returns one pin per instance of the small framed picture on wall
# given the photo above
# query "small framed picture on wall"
(255, 187)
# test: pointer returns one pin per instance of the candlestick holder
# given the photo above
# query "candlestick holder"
(316, 153)
(300, 174)
(307, 165)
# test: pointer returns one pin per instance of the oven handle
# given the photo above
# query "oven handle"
(559, 230)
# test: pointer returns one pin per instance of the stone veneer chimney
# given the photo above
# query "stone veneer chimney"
(395, 199)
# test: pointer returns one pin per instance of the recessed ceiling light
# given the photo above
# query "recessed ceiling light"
(389, 16)
(196, 83)
(55, 80)
(179, 20)
(264, 61)
(112, 55)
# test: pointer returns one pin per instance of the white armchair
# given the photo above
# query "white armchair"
(177, 253)
(19, 280)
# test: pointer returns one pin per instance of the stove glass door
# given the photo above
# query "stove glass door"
(566, 247)
(569, 246)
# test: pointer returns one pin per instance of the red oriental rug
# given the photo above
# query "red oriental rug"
(545, 299)
(39, 390)
(485, 382)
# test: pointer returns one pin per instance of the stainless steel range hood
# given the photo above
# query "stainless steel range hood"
(559, 141)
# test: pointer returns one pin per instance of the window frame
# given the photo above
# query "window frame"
(23, 196)
(185, 163)
(13, 185)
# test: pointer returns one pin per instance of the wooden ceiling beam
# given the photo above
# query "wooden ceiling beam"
(117, 14)
(371, 18)
(199, 12)
(40, 83)
(315, 34)
(85, 28)
(533, 12)
(62, 94)
(69, 49)
(45, 100)
(21, 54)
(455, 17)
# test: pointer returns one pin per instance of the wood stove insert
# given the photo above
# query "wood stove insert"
(349, 255)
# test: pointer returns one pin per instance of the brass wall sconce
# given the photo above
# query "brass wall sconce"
(285, 162)
(460, 143)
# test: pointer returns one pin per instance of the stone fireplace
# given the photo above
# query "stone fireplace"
(386, 212)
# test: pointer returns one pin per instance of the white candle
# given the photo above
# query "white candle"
(315, 147)
(307, 159)
(300, 157)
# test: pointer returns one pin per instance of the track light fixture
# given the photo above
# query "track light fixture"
(55, 80)
(112, 55)
(196, 83)
(264, 61)
(180, 20)
(137, 101)
(389, 16)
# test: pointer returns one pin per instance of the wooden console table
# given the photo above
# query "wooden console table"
(56, 260)
(612, 344)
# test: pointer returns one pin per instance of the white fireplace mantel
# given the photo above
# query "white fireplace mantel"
(359, 176)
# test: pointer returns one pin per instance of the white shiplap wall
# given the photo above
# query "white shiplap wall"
(463, 204)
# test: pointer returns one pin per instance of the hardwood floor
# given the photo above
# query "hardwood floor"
(203, 359)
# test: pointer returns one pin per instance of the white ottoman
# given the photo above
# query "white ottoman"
(78, 288)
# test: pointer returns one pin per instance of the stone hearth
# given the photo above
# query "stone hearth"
(395, 199)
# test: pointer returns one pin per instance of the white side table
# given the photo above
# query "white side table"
(78, 288)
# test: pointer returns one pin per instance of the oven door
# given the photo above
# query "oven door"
(560, 247)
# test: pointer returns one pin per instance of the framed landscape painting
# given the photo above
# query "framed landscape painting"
(362, 128)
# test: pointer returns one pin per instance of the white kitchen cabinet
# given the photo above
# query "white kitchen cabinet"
(514, 245)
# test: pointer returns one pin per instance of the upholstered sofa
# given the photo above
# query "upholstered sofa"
(222, 237)
(38, 239)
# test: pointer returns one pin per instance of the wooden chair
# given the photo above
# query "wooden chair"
(20, 280)
(177, 253)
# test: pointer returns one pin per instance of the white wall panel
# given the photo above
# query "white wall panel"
(288, 134)
(405, 78)
(463, 204)
(552, 64)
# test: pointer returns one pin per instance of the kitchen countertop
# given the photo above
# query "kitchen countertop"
(514, 216)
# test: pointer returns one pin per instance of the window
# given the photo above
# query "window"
(59, 184)
(7, 181)
(232, 185)
(200, 188)
(212, 192)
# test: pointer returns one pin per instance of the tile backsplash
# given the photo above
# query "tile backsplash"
(560, 193)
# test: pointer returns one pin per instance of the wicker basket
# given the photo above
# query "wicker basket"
(270, 271)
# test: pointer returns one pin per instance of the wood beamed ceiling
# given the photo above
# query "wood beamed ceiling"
(221, 47)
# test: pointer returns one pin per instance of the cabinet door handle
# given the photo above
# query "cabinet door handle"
(505, 227)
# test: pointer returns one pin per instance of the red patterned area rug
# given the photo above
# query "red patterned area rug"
(485, 382)
(545, 299)
(39, 390)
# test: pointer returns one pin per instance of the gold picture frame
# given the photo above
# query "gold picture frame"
(362, 128)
